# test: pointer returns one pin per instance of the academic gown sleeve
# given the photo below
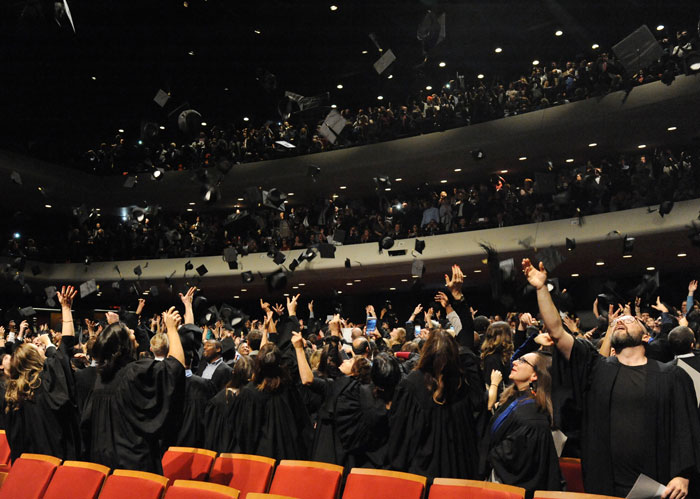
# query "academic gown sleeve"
(191, 429)
(685, 451)
(219, 434)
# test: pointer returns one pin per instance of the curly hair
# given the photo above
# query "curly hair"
(25, 376)
(440, 365)
(498, 339)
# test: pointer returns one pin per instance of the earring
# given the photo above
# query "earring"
(533, 388)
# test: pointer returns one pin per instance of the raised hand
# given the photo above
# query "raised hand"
(571, 324)
(442, 299)
(692, 287)
(536, 278)
(292, 305)
(111, 317)
(66, 296)
(172, 319)
(297, 340)
(265, 306)
(454, 284)
(142, 304)
(428, 316)
(279, 309)
(496, 377)
(311, 307)
(188, 297)
(23, 326)
(370, 311)
(659, 306)
(612, 316)
(544, 339)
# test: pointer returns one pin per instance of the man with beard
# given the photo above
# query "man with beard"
(639, 415)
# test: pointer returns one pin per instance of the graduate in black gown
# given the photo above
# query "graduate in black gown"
(518, 448)
(362, 415)
(126, 413)
(219, 423)
(39, 400)
(431, 417)
(639, 415)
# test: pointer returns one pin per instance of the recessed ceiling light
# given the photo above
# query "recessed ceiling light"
(380, 97)
(47, 206)
(121, 130)
(626, 256)
(672, 128)
(343, 187)
(290, 194)
(522, 158)
(302, 284)
(595, 46)
(659, 27)
(592, 144)
(243, 290)
(236, 297)
(641, 146)
(333, 106)
(189, 209)
(503, 171)
(570, 160)
(651, 268)
(348, 284)
(458, 169)
(404, 280)
(428, 87)
(443, 181)
(191, 52)
(340, 292)
(442, 64)
(387, 189)
(339, 86)
(295, 287)
(162, 127)
(286, 294)
(535, 62)
(256, 31)
(477, 271)
(398, 179)
(392, 289)
(192, 204)
(334, 7)
(204, 123)
(574, 275)
(245, 118)
(498, 50)
(600, 263)
(480, 76)
(558, 32)
(390, 77)
(358, 280)
(239, 199)
(94, 78)
(364, 51)
(681, 255)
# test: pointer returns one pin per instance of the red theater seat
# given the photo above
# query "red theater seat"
(29, 477)
(383, 484)
(133, 485)
(452, 488)
(244, 472)
(4, 452)
(194, 489)
(307, 480)
(546, 494)
(571, 471)
(77, 480)
(187, 463)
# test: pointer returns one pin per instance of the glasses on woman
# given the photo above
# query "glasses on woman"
(524, 360)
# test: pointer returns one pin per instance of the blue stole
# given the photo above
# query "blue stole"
(504, 415)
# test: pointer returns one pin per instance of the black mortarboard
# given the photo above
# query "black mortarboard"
(228, 348)
(27, 311)
(648, 286)
(138, 271)
(247, 277)
(420, 246)
(326, 250)
(339, 236)
(51, 302)
(230, 255)
(570, 244)
(347, 263)
(277, 280)
(191, 337)
(665, 207)
(129, 318)
(50, 291)
(188, 266)
(202, 269)
(627, 245)
(418, 268)
(233, 265)
(87, 288)
(386, 243)
(153, 291)
(279, 258)
(16, 178)
(293, 265)
(550, 257)
(211, 315)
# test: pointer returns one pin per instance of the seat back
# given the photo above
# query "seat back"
(571, 471)
(244, 472)
(548, 494)
(187, 463)
(383, 484)
(260, 495)
(449, 488)
(194, 489)
(29, 477)
(4, 452)
(134, 485)
(307, 480)
(77, 480)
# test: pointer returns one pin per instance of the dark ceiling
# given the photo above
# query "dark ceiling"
(63, 93)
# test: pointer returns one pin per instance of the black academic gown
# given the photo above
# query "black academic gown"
(430, 439)
(124, 418)
(48, 423)
(191, 430)
(219, 431)
(521, 449)
(221, 375)
(362, 426)
(672, 421)
(326, 445)
(272, 424)
(84, 383)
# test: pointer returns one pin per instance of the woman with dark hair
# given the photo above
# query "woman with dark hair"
(40, 412)
(431, 417)
(518, 448)
(497, 350)
(126, 414)
(362, 414)
(271, 419)
(218, 415)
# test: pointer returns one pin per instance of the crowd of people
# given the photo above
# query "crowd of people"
(447, 393)
(563, 191)
(458, 103)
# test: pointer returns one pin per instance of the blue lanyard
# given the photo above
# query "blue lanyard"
(504, 415)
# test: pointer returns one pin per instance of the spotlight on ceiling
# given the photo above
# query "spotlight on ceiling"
(558, 32)
(478, 154)
(157, 174)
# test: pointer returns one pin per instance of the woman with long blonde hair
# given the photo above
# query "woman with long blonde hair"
(518, 448)
(40, 411)
(496, 351)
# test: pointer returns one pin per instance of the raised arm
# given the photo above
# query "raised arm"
(187, 301)
(550, 315)
(65, 298)
(172, 320)
(605, 348)
(305, 373)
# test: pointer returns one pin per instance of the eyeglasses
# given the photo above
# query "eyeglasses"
(627, 319)
(522, 359)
